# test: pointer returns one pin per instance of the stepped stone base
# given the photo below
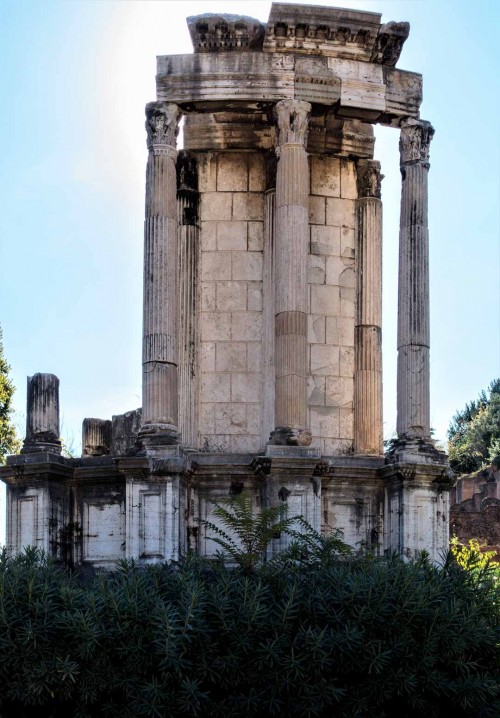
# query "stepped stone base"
(96, 510)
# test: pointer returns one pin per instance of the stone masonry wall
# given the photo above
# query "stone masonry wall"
(332, 286)
(232, 216)
(232, 186)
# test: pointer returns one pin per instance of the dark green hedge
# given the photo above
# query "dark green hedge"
(352, 637)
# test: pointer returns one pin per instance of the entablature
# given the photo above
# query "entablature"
(247, 81)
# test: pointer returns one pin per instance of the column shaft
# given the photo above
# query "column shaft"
(413, 291)
(96, 437)
(189, 249)
(42, 414)
(160, 402)
(368, 332)
(290, 274)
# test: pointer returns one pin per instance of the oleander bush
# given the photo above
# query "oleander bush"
(344, 636)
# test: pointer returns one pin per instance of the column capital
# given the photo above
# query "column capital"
(162, 126)
(414, 141)
(292, 119)
(369, 178)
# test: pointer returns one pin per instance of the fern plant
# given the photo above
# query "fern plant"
(244, 535)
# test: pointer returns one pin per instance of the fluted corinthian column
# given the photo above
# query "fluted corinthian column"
(159, 358)
(368, 331)
(42, 414)
(413, 295)
(290, 273)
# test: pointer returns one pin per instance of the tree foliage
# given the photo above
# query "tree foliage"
(349, 637)
(9, 443)
(474, 433)
(470, 556)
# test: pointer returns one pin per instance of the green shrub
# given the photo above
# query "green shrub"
(345, 637)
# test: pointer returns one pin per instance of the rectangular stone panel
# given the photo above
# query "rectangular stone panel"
(340, 331)
(315, 269)
(230, 419)
(209, 236)
(255, 236)
(324, 360)
(216, 326)
(316, 328)
(247, 266)
(248, 206)
(249, 443)
(325, 240)
(151, 524)
(216, 206)
(27, 522)
(348, 183)
(231, 356)
(231, 295)
(340, 212)
(245, 387)
(316, 390)
(232, 172)
(256, 172)
(215, 266)
(325, 300)
(324, 421)
(231, 235)
(325, 176)
(246, 326)
(103, 531)
(216, 387)
(317, 211)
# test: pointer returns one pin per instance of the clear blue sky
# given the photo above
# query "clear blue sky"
(74, 81)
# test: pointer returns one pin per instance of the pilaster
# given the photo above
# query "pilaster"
(416, 512)
(156, 505)
(368, 329)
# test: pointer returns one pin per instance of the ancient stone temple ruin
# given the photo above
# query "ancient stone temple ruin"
(262, 364)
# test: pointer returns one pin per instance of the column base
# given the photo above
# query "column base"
(153, 437)
(287, 436)
(49, 446)
(412, 450)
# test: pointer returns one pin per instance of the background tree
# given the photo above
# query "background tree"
(9, 442)
(474, 433)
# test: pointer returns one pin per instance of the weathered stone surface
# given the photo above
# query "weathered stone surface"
(322, 30)
(475, 508)
(161, 268)
(368, 358)
(225, 33)
(413, 297)
(262, 309)
(96, 437)
(124, 431)
(42, 414)
(290, 246)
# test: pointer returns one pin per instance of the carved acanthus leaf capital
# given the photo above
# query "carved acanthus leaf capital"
(369, 178)
(292, 119)
(415, 140)
(162, 124)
